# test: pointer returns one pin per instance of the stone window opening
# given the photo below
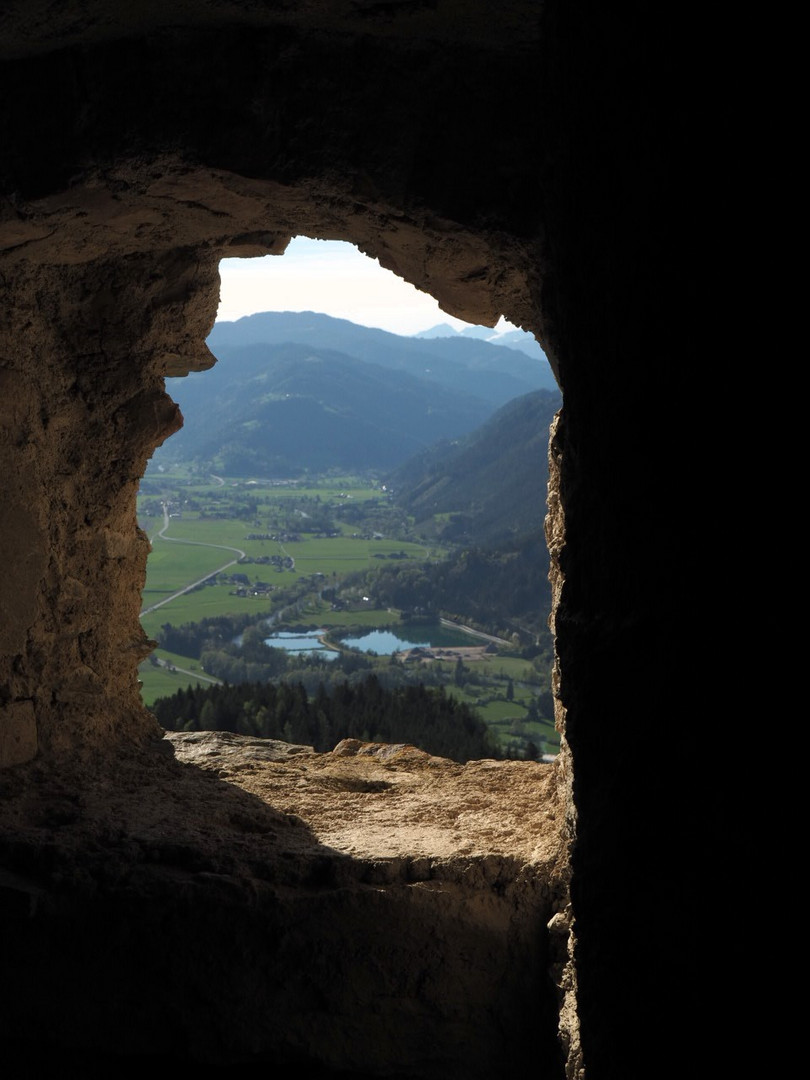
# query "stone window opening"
(544, 163)
(321, 270)
(87, 406)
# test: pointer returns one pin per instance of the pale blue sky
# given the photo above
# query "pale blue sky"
(331, 277)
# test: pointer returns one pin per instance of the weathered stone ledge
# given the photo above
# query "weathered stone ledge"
(374, 910)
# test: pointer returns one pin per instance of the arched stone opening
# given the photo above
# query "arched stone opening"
(86, 346)
(126, 141)
(92, 343)
(159, 150)
(348, 286)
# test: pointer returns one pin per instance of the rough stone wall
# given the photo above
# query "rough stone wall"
(533, 165)
(134, 163)
(233, 903)
(628, 542)
(83, 350)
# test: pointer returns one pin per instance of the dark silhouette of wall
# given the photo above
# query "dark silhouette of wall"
(529, 161)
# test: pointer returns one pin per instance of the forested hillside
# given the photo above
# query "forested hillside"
(284, 410)
(485, 496)
(424, 717)
(494, 372)
(487, 488)
(298, 392)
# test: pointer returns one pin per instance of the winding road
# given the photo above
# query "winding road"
(195, 543)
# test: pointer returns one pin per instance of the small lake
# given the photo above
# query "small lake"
(306, 643)
(387, 642)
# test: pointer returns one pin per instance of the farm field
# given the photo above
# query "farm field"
(161, 681)
(170, 564)
(507, 720)
(288, 542)
(195, 543)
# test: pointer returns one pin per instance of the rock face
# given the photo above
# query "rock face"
(535, 162)
(374, 910)
(84, 351)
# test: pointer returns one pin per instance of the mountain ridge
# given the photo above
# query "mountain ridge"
(510, 339)
(415, 353)
(278, 406)
(488, 486)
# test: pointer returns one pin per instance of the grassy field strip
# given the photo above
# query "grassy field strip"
(188, 588)
(168, 673)
(203, 603)
(209, 518)
(187, 663)
(167, 568)
(370, 619)
(473, 633)
(165, 672)
(341, 554)
(157, 682)
(220, 533)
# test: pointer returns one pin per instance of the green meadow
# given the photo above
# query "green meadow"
(173, 565)
(161, 681)
(322, 560)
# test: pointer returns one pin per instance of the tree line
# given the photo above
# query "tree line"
(494, 589)
(425, 717)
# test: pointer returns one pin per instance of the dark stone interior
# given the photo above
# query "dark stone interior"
(527, 160)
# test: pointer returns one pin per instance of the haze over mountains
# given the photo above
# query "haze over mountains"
(296, 391)
(511, 339)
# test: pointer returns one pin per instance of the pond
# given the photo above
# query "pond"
(387, 642)
(306, 643)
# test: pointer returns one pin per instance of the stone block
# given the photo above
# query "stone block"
(18, 733)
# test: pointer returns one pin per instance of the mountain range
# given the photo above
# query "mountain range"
(485, 494)
(487, 488)
(296, 391)
(511, 339)
(504, 365)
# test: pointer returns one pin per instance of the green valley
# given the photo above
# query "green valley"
(312, 553)
(331, 479)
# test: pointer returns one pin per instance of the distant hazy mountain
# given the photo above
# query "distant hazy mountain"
(493, 372)
(488, 486)
(511, 339)
(299, 390)
(277, 410)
